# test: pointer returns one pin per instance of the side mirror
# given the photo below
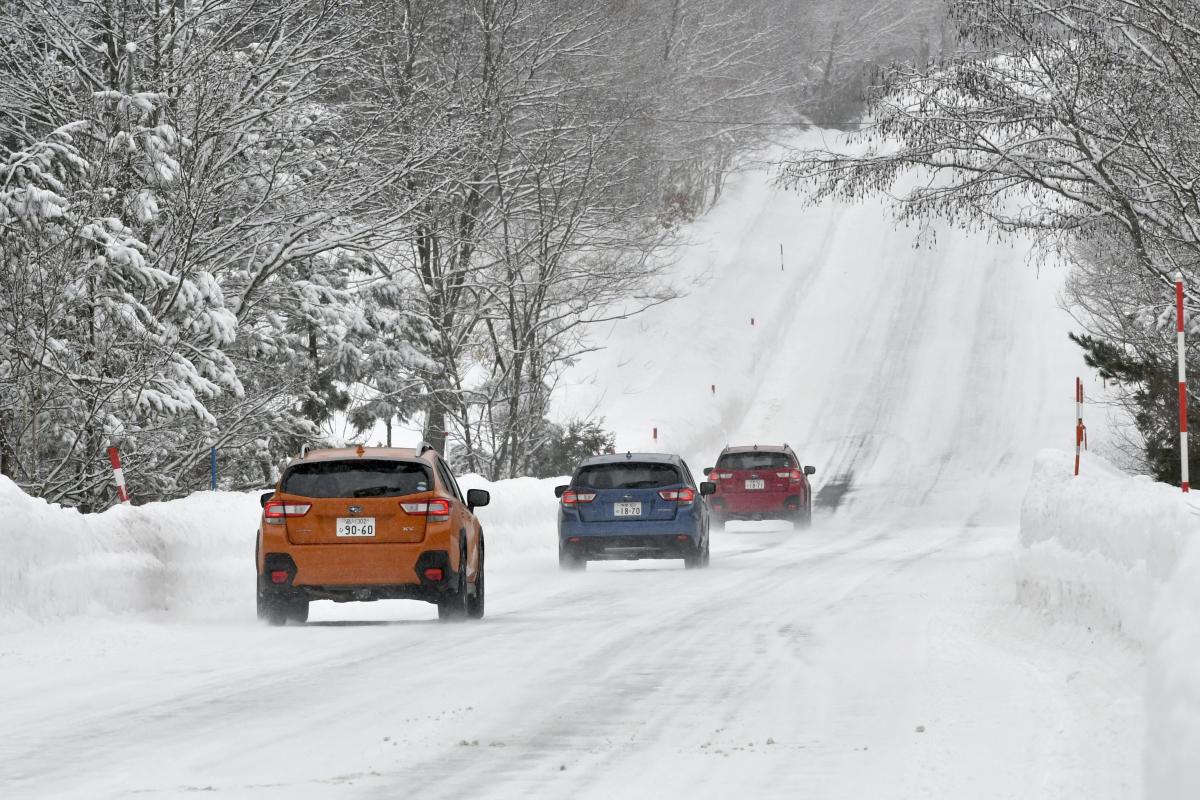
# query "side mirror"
(810, 470)
(478, 498)
(707, 487)
(262, 500)
(707, 471)
(558, 490)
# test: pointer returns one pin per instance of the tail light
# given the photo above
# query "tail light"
(684, 495)
(573, 498)
(722, 475)
(792, 474)
(276, 510)
(433, 510)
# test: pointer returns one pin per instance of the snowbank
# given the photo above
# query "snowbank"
(1094, 547)
(192, 557)
(522, 517)
(1106, 549)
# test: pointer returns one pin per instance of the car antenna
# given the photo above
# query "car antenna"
(628, 454)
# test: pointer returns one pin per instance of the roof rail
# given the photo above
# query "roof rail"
(304, 448)
(423, 447)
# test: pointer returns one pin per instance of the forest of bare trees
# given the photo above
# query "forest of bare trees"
(1080, 127)
(233, 223)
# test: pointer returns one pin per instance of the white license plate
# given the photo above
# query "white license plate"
(356, 526)
(756, 484)
(627, 509)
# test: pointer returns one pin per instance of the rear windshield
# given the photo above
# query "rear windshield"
(357, 478)
(754, 461)
(628, 475)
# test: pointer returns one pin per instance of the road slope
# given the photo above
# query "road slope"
(878, 655)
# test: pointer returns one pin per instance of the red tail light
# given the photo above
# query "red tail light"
(684, 495)
(722, 475)
(433, 574)
(433, 510)
(573, 498)
(792, 474)
(279, 576)
(276, 510)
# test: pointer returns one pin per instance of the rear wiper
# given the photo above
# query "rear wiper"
(373, 491)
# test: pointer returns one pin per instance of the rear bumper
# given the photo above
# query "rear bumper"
(358, 564)
(748, 503)
(630, 547)
(412, 584)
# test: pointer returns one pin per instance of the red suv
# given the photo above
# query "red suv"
(761, 482)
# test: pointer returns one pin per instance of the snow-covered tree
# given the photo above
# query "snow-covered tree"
(1075, 125)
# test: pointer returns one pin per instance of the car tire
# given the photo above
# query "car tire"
(697, 559)
(297, 610)
(717, 520)
(476, 602)
(276, 612)
(570, 562)
(452, 606)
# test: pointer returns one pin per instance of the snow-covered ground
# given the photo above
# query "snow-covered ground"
(882, 654)
(1122, 554)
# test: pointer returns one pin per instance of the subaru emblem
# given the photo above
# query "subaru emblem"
(355, 509)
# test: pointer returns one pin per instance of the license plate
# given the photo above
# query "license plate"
(756, 484)
(627, 509)
(356, 526)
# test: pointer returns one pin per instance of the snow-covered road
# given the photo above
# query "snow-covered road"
(861, 662)
(880, 655)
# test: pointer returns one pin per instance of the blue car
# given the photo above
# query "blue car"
(632, 506)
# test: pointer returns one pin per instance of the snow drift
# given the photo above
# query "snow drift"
(1123, 553)
(194, 554)
(1095, 547)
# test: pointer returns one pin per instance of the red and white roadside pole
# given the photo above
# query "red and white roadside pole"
(1080, 430)
(114, 458)
(1179, 336)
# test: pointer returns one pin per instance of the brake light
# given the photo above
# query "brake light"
(276, 510)
(793, 474)
(724, 475)
(684, 495)
(279, 576)
(572, 498)
(433, 510)
(434, 574)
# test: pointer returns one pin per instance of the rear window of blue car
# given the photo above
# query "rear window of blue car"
(628, 475)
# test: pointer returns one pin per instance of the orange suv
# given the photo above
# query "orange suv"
(370, 524)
